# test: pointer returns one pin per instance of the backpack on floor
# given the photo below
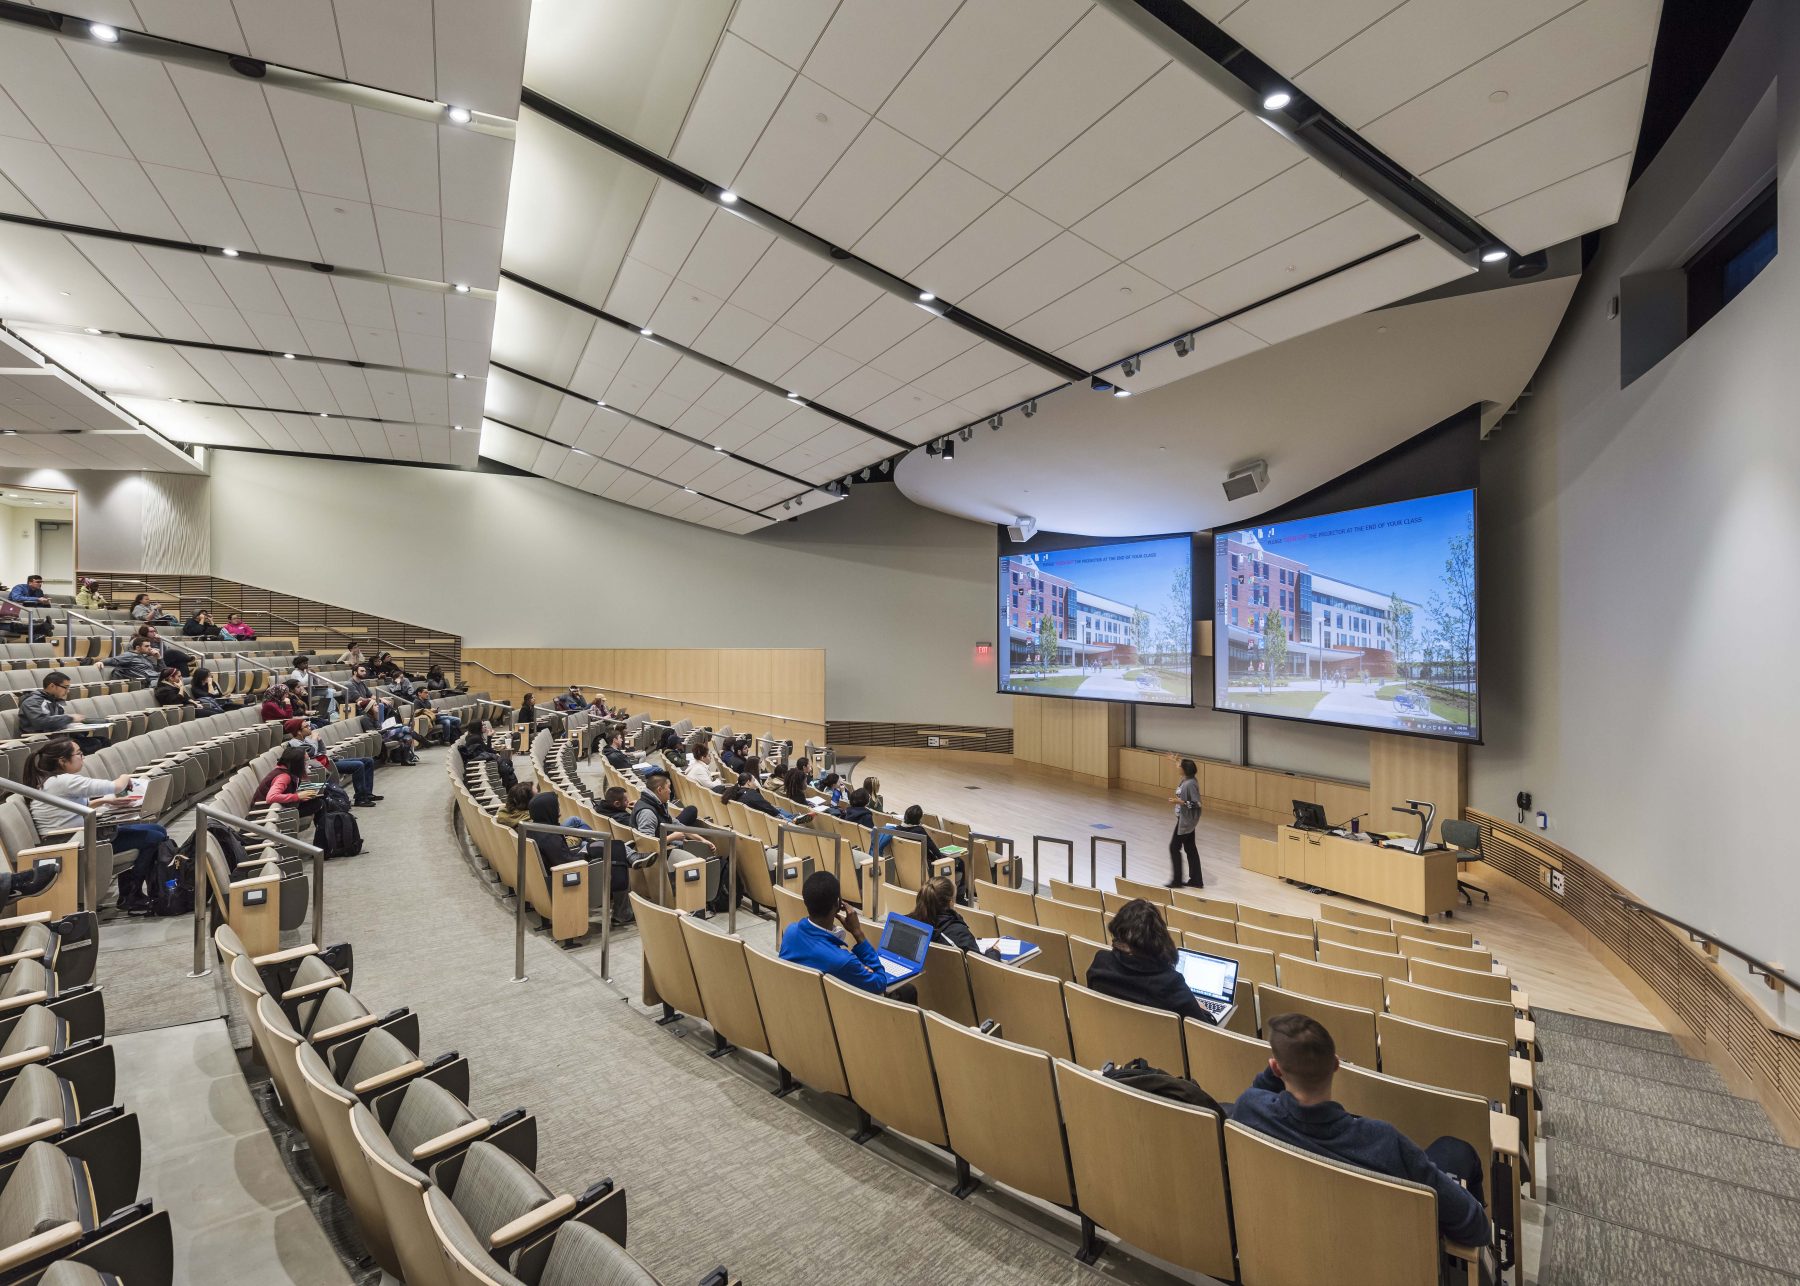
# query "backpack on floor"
(171, 890)
(337, 834)
(335, 798)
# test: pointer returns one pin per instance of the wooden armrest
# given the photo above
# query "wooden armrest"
(282, 957)
(312, 988)
(400, 1073)
(255, 882)
(18, 921)
(526, 1224)
(343, 1029)
(578, 865)
(24, 998)
(30, 1134)
(1468, 1254)
(23, 1252)
(35, 953)
(1525, 1031)
(1520, 1071)
(25, 857)
(451, 1138)
(36, 1054)
(1503, 1133)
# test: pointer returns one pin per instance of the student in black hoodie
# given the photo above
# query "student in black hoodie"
(1140, 967)
(936, 906)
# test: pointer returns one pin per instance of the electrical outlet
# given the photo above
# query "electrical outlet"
(934, 742)
(1543, 820)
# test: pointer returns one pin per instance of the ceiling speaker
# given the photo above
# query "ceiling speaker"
(1247, 481)
(1022, 528)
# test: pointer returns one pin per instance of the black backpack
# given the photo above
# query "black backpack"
(337, 834)
(171, 888)
(1153, 1080)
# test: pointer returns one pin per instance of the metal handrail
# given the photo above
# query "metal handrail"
(205, 814)
(89, 835)
(275, 669)
(1773, 975)
(111, 627)
(257, 611)
(575, 832)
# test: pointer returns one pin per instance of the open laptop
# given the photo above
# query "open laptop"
(153, 792)
(904, 942)
(1213, 980)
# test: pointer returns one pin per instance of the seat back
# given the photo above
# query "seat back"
(1452, 1060)
(1085, 921)
(1464, 836)
(1352, 935)
(1280, 921)
(944, 984)
(1129, 889)
(1105, 1030)
(886, 1061)
(1352, 1028)
(1462, 957)
(1254, 963)
(1329, 982)
(1148, 1169)
(1027, 1005)
(1201, 904)
(909, 858)
(791, 1001)
(1490, 1018)
(1294, 1213)
(722, 979)
(332, 1105)
(1423, 1113)
(1274, 940)
(1014, 904)
(1081, 955)
(1052, 944)
(1438, 933)
(1355, 918)
(1468, 982)
(981, 923)
(1389, 964)
(281, 1045)
(400, 1188)
(1185, 921)
(1014, 1137)
(665, 955)
(1222, 1062)
(1076, 894)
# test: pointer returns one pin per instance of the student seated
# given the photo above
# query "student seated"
(43, 711)
(282, 702)
(832, 787)
(236, 627)
(701, 769)
(203, 689)
(912, 822)
(361, 772)
(55, 769)
(814, 942)
(554, 850)
(1291, 1100)
(615, 751)
(873, 786)
(745, 792)
(89, 597)
(518, 804)
(857, 810)
(286, 783)
(936, 906)
(169, 690)
(140, 663)
(200, 626)
(1140, 967)
(31, 593)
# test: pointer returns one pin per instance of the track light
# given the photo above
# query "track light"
(458, 115)
(229, 252)
(728, 197)
(787, 504)
(645, 331)
(690, 491)
(1121, 392)
(995, 421)
(1130, 366)
(887, 467)
(1099, 385)
(949, 451)
(92, 330)
(1184, 344)
(719, 449)
(968, 431)
(578, 451)
(457, 427)
(925, 296)
(9, 433)
(1493, 254)
(461, 288)
(931, 448)
(793, 396)
(100, 31)
(599, 401)
(461, 376)
(1277, 100)
(288, 356)
(324, 415)
(864, 475)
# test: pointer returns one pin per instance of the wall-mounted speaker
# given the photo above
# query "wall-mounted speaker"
(1247, 481)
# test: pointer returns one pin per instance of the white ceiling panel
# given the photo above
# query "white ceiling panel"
(1539, 219)
(784, 29)
(803, 139)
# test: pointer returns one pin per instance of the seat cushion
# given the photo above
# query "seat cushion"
(36, 1026)
(493, 1189)
(39, 1194)
(584, 1256)
(67, 1273)
(376, 1053)
(26, 976)
(36, 1094)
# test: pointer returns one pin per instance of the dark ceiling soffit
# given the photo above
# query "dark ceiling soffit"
(210, 346)
(615, 464)
(1217, 58)
(664, 168)
(650, 424)
(713, 363)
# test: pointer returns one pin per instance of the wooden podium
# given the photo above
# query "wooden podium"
(1421, 884)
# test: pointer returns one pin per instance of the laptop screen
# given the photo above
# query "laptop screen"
(905, 939)
(1213, 977)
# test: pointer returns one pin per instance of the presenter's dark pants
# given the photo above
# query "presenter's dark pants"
(1180, 843)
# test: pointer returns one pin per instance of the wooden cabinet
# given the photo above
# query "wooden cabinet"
(1293, 853)
(1421, 884)
(1261, 856)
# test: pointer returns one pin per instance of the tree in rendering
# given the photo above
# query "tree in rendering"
(1453, 606)
(1140, 633)
(1274, 646)
(1175, 622)
(1400, 627)
(1048, 639)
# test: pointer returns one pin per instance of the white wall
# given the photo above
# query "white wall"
(896, 595)
(1641, 573)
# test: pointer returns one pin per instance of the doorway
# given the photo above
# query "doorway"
(56, 555)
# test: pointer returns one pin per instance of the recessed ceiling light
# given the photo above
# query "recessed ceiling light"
(63, 293)
(690, 491)
(458, 115)
(645, 331)
(728, 197)
(718, 448)
(599, 401)
(1121, 392)
(461, 376)
(324, 415)
(92, 330)
(462, 288)
(578, 451)
(1277, 100)
(9, 433)
(229, 252)
(793, 396)
(457, 427)
(100, 31)
(175, 400)
(1494, 255)
(925, 296)
(289, 356)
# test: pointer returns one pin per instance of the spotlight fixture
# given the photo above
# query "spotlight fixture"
(289, 356)
(925, 296)
(461, 288)
(800, 503)
(887, 467)
(458, 115)
(457, 427)
(728, 197)
(995, 421)
(599, 401)
(1184, 344)
(92, 330)
(793, 396)
(100, 31)
(864, 475)
(461, 376)
(1277, 100)
(787, 504)
(968, 431)
(689, 490)
(324, 415)
(578, 451)
(949, 450)
(718, 448)
(1099, 385)
(1030, 408)
(1121, 392)
(1129, 367)
(175, 400)
(931, 448)
(9, 433)
(229, 252)
(1493, 254)
(645, 331)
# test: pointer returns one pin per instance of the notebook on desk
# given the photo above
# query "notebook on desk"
(1010, 950)
(904, 942)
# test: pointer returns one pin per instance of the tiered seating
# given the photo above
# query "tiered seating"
(438, 1194)
(84, 681)
(1148, 1170)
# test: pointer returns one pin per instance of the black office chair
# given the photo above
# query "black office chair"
(1465, 838)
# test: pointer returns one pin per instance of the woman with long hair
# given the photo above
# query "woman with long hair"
(55, 769)
(1140, 966)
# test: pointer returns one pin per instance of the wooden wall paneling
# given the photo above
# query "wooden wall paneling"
(1402, 768)
(1228, 784)
(1277, 791)
(1059, 733)
(1139, 767)
(1028, 729)
(1340, 800)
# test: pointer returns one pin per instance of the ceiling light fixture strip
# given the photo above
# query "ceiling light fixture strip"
(506, 424)
(246, 256)
(310, 415)
(1221, 61)
(664, 168)
(649, 424)
(209, 346)
(317, 84)
(713, 363)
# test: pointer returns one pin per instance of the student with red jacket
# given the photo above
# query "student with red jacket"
(286, 784)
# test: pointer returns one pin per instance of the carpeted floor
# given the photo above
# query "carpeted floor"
(1654, 1171)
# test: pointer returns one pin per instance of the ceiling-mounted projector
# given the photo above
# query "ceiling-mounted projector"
(1022, 528)
(1247, 481)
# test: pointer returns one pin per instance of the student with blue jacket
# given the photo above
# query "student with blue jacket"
(814, 942)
